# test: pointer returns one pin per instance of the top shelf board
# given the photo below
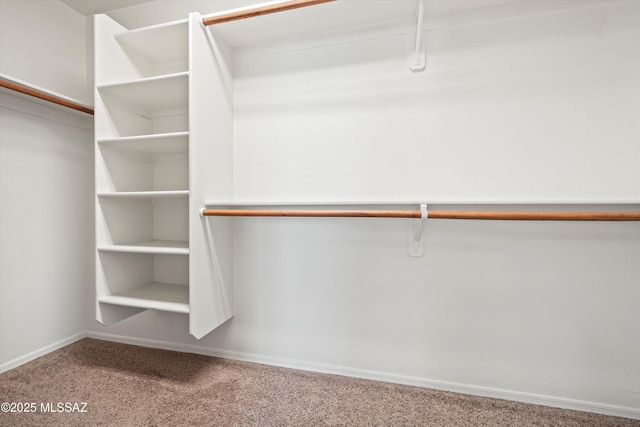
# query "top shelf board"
(159, 43)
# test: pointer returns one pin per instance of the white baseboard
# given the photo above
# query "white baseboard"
(537, 399)
(41, 352)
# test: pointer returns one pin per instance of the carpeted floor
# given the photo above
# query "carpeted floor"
(125, 385)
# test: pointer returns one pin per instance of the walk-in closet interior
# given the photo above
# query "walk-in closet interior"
(438, 193)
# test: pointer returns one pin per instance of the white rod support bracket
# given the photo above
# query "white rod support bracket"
(415, 238)
(418, 59)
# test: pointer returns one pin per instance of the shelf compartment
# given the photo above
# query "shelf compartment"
(123, 171)
(143, 108)
(155, 296)
(158, 49)
(142, 280)
(115, 120)
(126, 222)
(146, 146)
(161, 247)
(150, 96)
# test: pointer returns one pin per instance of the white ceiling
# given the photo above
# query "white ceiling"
(93, 7)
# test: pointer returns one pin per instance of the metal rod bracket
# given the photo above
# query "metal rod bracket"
(418, 59)
(415, 238)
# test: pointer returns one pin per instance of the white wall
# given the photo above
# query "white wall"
(46, 184)
(46, 227)
(43, 43)
(536, 109)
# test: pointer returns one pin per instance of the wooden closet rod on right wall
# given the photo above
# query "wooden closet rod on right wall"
(502, 216)
(539, 216)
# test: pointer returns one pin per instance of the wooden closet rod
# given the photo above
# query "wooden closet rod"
(503, 216)
(313, 213)
(27, 90)
(538, 216)
(258, 10)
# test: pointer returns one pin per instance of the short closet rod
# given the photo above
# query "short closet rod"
(502, 216)
(258, 10)
(27, 90)
(313, 213)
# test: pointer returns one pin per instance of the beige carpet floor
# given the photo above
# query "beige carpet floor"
(126, 385)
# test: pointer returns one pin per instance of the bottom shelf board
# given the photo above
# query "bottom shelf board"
(155, 296)
(169, 247)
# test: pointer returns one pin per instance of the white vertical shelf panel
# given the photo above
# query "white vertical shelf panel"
(211, 175)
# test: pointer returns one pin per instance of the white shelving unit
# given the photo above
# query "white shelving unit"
(163, 147)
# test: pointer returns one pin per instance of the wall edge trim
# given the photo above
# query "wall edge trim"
(14, 363)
